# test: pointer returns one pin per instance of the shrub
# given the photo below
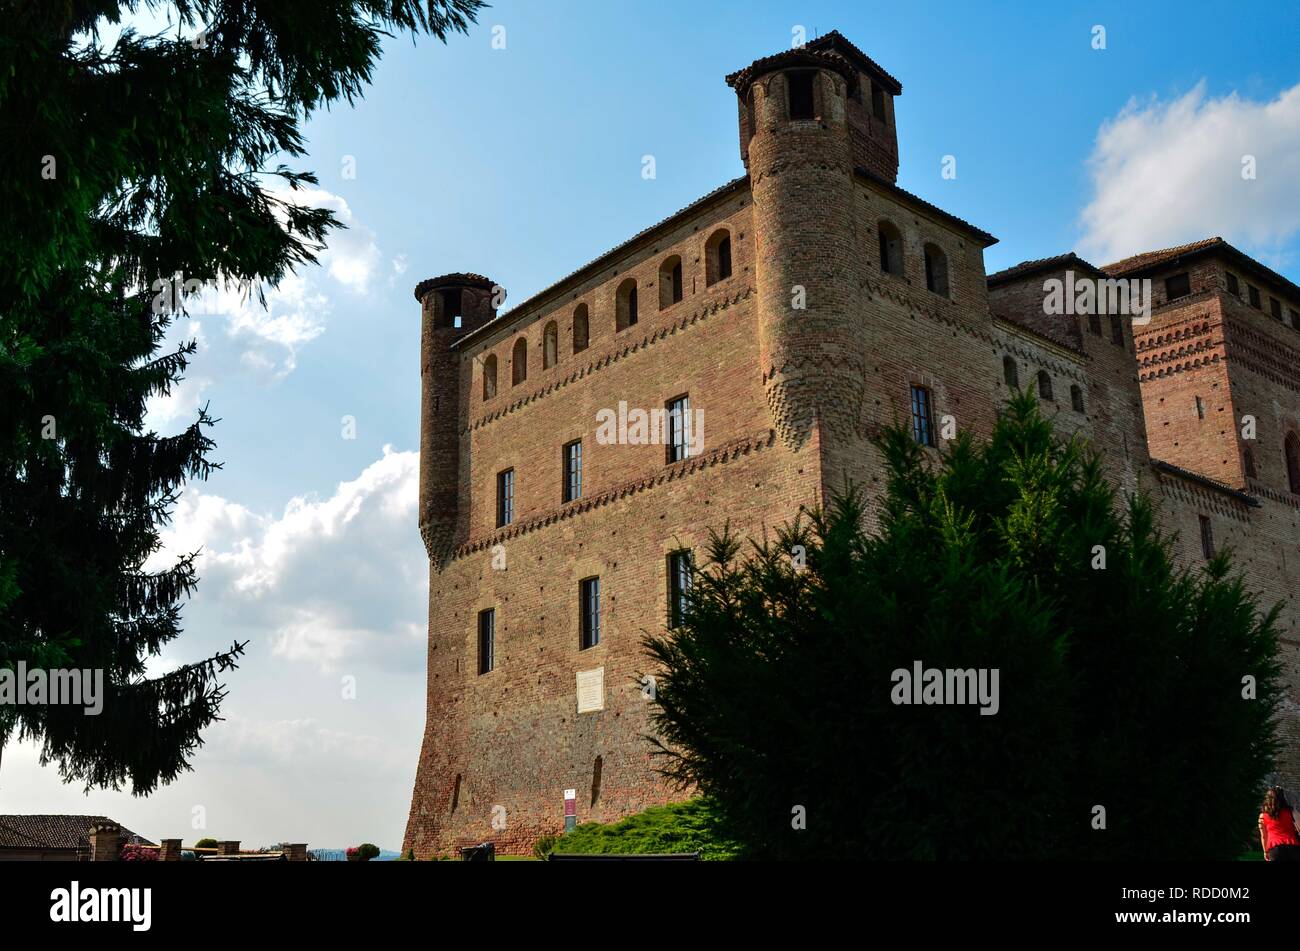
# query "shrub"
(363, 853)
(690, 826)
(544, 846)
(1120, 675)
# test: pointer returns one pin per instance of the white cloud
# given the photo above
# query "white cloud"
(298, 744)
(239, 338)
(1168, 172)
(351, 256)
(331, 582)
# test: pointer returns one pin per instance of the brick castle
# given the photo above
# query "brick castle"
(756, 340)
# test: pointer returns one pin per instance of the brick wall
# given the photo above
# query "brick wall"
(791, 396)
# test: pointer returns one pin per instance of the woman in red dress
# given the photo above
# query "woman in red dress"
(1277, 828)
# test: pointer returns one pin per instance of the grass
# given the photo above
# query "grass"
(689, 826)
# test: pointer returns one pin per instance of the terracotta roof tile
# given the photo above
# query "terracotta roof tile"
(889, 186)
(54, 832)
(831, 50)
(592, 266)
(1026, 268)
(1150, 258)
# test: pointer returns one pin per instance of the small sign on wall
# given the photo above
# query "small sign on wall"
(570, 809)
(591, 690)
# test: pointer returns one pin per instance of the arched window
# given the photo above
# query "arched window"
(550, 345)
(1010, 372)
(519, 362)
(490, 376)
(1044, 385)
(936, 270)
(1248, 462)
(891, 249)
(717, 256)
(625, 305)
(581, 336)
(1076, 397)
(1293, 461)
(670, 282)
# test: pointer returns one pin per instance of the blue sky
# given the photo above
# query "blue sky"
(525, 162)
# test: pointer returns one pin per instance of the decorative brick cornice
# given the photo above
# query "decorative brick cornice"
(1197, 326)
(618, 351)
(669, 473)
(1262, 354)
(1209, 493)
(1288, 499)
(1071, 367)
(1183, 367)
(895, 290)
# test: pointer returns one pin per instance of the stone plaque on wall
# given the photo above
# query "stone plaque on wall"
(591, 690)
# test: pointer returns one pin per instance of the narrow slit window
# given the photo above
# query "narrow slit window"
(922, 416)
(679, 586)
(677, 419)
(505, 497)
(589, 596)
(487, 633)
(573, 471)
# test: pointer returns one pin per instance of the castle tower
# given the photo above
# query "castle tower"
(450, 307)
(798, 146)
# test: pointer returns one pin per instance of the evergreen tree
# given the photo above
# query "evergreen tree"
(1120, 676)
(125, 172)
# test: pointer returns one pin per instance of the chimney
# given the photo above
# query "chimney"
(296, 851)
(105, 842)
(228, 848)
(171, 850)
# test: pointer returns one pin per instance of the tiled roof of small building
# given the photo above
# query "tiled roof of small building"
(1026, 268)
(1206, 481)
(741, 79)
(1151, 258)
(458, 279)
(831, 49)
(1216, 245)
(55, 832)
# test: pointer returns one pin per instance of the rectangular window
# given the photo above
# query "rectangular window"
(1200, 408)
(801, 95)
(922, 422)
(505, 497)
(1275, 308)
(1180, 285)
(589, 594)
(1233, 287)
(1254, 297)
(677, 417)
(679, 586)
(452, 303)
(677, 282)
(1207, 537)
(878, 102)
(573, 471)
(1295, 319)
(487, 636)
(1116, 330)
